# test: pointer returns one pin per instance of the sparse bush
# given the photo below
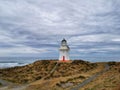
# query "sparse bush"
(82, 77)
(39, 77)
(24, 81)
(111, 63)
(0, 84)
(119, 70)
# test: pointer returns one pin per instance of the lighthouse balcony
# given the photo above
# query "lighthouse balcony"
(64, 48)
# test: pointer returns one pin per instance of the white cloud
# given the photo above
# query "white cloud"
(94, 38)
(116, 39)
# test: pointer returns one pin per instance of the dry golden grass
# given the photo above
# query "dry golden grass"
(28, 73)
(40, 69)
(64, 82)
(66, 75)
(110, 80)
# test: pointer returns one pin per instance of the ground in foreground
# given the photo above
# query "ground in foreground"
(53, 75)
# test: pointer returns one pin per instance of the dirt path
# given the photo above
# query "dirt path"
(91, 78)
(5, 83)
(54, 68)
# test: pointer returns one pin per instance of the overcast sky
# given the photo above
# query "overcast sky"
(36, 27)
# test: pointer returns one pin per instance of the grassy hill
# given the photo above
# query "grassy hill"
(40, 69)
(66, 75)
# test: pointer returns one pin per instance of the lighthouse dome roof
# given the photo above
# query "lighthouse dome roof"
(64, 40)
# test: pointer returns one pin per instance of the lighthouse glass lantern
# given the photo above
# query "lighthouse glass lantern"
(64, 51)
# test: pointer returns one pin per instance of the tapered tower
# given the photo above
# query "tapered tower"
(64, 51)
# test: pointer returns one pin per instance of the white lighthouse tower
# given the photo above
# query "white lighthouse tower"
(64, 51)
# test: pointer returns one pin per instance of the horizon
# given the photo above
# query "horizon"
(31, 59)
(31, 28)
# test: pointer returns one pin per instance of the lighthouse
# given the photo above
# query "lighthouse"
(64, 51)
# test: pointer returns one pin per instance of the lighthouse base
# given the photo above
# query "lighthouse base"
(65, 61)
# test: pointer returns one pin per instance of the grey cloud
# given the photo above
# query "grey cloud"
(41, 24)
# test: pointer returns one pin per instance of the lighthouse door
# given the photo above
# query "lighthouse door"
(63, 58)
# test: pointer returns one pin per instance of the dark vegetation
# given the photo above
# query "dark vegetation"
(0, 84)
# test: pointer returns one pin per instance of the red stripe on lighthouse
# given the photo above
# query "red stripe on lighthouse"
(63, 58)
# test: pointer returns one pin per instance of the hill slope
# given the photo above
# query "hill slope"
(39, 69)
(109, 80)
(64, 76)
